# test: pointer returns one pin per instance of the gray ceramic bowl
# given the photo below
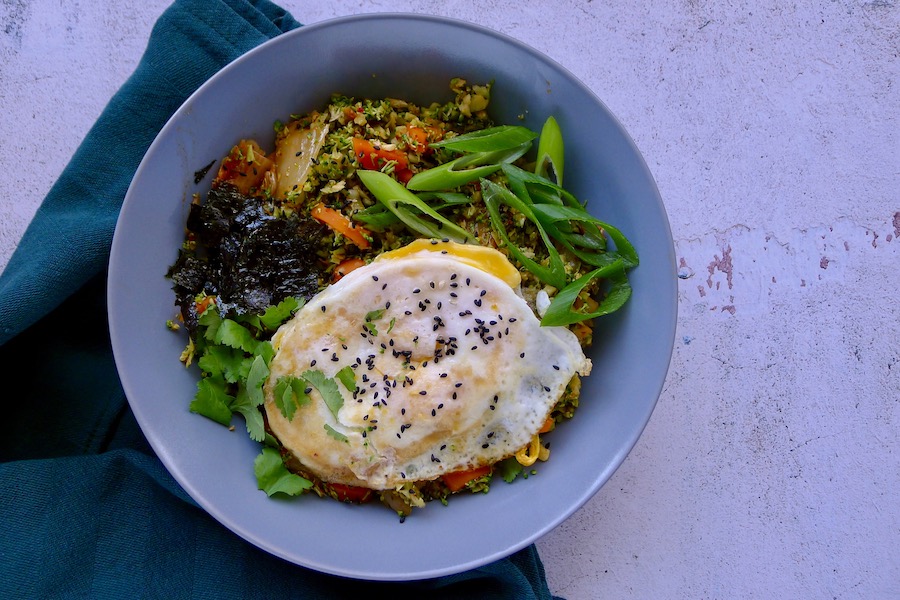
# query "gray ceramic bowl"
(410, 57)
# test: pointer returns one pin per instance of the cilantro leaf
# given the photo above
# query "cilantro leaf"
(327, 388)
(278, 314)
(347, 376)
(222, 361)
(253, 418)
(335, 433)
(234, 335)
(259, 371)
(265, 350)
(290, 394)
(508, 469)
(273, 477)
(371, 316)
(212, 401)
(374, 314)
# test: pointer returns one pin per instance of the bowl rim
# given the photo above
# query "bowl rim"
(118, 241)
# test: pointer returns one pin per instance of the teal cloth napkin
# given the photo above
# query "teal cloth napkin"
(86, 508)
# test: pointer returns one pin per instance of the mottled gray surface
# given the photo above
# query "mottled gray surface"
(771, 467)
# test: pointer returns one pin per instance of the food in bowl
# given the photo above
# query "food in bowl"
(396, 298)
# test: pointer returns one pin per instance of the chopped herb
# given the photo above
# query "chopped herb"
(272, 476)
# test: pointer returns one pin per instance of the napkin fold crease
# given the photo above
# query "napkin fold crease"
(87, 509)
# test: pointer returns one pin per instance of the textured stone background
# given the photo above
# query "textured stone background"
(771, 467)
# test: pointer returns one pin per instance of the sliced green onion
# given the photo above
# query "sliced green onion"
(550, 152)
(494, 195)
(561, 311)
(379, 217)
(501, 137)
(585, 247)
(445, 199)
(539, 189)
(398, 200)
(376, 216)
(558, 219)
(465, 169)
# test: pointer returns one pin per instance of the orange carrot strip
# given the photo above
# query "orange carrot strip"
(340, 224)
(458, 479)
(347, 265)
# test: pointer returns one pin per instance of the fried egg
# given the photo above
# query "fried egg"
(450, 368)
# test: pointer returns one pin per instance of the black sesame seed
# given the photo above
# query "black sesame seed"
(556, 367)
(374, 277)
(323, 308)
(485, 445)
(312, 363)
(416, 291)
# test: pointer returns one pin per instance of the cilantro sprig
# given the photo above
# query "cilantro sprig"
(234, 354)
(273, 477)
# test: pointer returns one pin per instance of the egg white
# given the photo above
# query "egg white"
(452, 371)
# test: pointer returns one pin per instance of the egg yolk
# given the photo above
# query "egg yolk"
(486, 259)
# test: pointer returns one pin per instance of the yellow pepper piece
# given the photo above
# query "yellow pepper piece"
(528, 454)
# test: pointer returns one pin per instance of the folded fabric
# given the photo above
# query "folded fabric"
(87, 509)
